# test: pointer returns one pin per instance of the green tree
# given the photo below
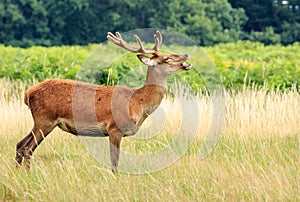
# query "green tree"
(35, 30)
(11, 21)
(282, 15)
(268, 36)
(206, 22)
(56, 22)
(261, 14)
(23, 23)
(66, 21)
(290, 33)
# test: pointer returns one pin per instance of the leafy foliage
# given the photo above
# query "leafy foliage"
(278, 16)
(80, 22)
(237, 63)
(40, 63)
(254, 63)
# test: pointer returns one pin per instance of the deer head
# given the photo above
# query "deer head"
(168, 63)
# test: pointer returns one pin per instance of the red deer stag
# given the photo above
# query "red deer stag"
(119, 110)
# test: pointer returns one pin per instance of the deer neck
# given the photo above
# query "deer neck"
(155, 86)
(156, 77)
(146, 99)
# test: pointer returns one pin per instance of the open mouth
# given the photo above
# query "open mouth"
(186, 66)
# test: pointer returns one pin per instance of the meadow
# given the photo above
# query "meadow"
(255, 159)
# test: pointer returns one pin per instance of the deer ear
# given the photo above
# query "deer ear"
(145, 59)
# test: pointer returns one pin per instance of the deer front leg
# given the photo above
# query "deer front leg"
(115, 141)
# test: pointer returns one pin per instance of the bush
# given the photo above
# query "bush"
(268, 36)
(237, 63)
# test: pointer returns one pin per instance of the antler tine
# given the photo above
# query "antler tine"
(159, 36)
(119, 35)
(142, 49)
(140, 43)
(158, 40)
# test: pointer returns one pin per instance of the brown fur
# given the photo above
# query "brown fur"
(85, 109)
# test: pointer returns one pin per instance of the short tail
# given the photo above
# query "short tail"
(26, 101)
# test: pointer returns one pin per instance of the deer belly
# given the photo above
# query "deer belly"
(82, 129)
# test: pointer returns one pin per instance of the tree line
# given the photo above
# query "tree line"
(67, 22)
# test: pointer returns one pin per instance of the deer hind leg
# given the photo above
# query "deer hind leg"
(28, 144)
(115, 141)
(20, 150)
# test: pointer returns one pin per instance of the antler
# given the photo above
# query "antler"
(118, 40)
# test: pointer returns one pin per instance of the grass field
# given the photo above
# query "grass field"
(256, 159)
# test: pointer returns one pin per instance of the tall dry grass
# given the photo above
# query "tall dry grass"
(256, 158)
(263, 113)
